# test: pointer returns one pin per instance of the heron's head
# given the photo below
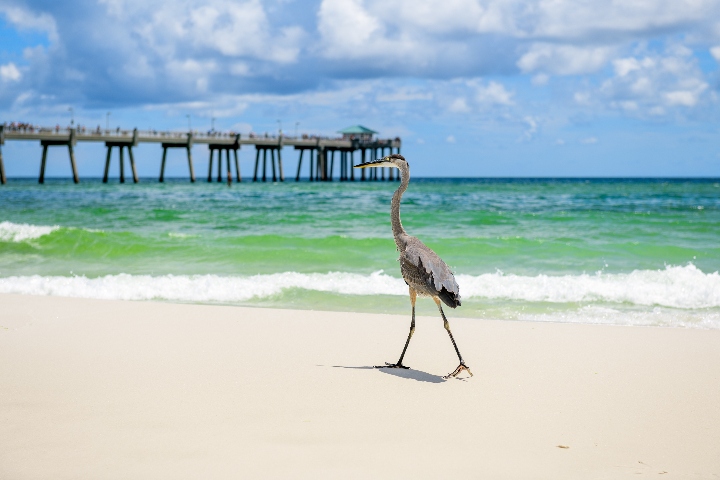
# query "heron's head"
(395, 160)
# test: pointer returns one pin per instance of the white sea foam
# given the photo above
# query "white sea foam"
(675, 286)
(202, 288)
(658, 316)
(680, 287)
(180, 235)
(20, 232)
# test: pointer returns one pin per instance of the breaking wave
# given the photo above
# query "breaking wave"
(683, 287)
(20, 232)
(675, 286)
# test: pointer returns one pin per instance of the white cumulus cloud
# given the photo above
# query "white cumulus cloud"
(715, 52)
(654, 82)
(9, 73)
(27, 19)
(493, 92)
(348, 30)
(232, 29)
(564, 59)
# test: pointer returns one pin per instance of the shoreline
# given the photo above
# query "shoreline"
(638, 298)
(128, 389)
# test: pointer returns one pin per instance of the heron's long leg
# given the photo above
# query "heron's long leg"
(446, 324)
(413, 297)
(399, 364)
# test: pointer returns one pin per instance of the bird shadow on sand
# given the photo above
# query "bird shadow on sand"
(409, 373)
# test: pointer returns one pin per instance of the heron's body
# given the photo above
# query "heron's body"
(427, 274)
(422, 269)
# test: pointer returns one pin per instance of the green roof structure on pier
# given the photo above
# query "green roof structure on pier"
(357, 130)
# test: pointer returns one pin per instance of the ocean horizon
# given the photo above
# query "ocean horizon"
(625, 251)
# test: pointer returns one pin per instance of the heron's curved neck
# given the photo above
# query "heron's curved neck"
(397, 227)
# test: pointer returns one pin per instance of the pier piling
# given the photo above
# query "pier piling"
(275, 168)
(312, 165)
(69, 142)
(344, 176)
(132, 165)
(3, 180)
(219, 173)
(348, 166)
(362, 160)
(375, 171)
(237, 165)
(319, 174)
(297, 177)
(229, 172)
(120, 146)
(324, 164)
(190, 164)
(188, 147)
(162, 165)
(341, 173)
(391, 171)
(352, 164)
(280, 167)
(43, 161)
(107, 165)
(76, 179)
(220, 148)
(264, 177)
(122, 166)
(272, 160)
(257, 161)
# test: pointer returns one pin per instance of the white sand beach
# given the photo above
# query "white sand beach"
(99, 389)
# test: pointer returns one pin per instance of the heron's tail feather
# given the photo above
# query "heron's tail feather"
(450, 299)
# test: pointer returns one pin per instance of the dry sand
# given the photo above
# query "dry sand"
(93, 389)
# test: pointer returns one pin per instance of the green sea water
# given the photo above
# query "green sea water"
(598, 251)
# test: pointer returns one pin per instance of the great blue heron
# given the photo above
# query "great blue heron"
(424, 272)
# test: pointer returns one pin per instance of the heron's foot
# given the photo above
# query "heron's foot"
(459, 369)
(392, 365)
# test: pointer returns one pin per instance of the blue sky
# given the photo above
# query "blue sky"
(473, 87)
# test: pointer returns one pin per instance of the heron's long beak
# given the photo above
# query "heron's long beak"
(375, 163)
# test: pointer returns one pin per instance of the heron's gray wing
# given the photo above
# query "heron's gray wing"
(431, 271)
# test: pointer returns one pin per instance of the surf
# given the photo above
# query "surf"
(680, 287)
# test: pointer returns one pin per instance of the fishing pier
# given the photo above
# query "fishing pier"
(318, 152)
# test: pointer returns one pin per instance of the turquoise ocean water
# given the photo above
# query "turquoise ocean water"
(638, 252)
